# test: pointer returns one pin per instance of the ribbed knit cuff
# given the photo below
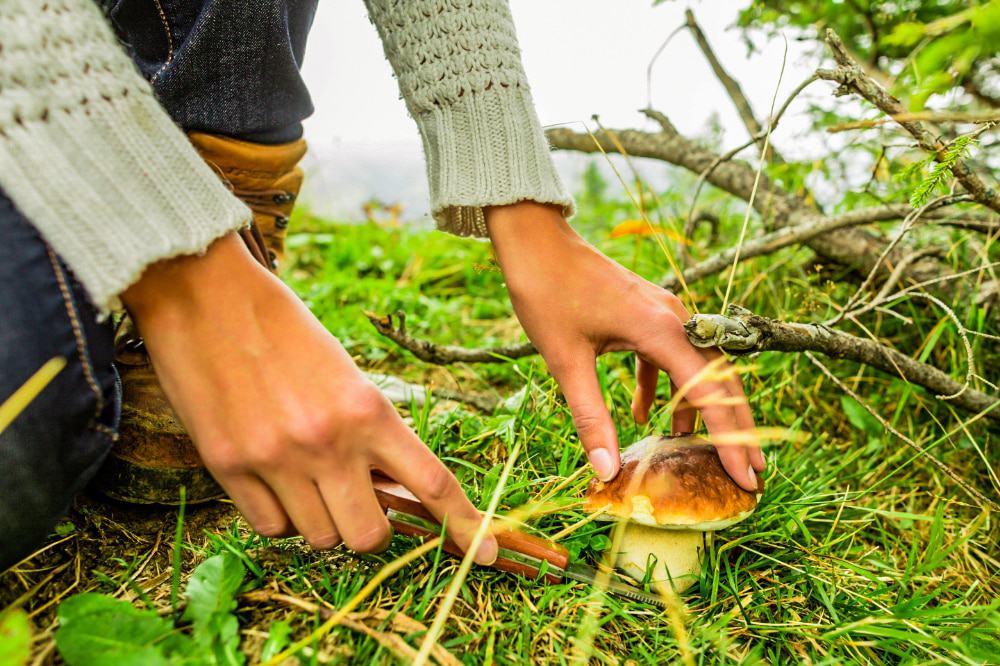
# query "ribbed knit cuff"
(114, 186)
(487, 149)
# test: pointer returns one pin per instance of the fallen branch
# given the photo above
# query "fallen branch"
(439, 354)
(740, 331)
(787, 236)
(444, 354)
(853, 79)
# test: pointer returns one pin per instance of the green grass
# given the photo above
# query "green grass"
(860, 552)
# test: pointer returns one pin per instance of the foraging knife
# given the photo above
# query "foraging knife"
(519, 552)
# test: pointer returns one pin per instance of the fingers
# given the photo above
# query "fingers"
(305, 506)
(646, 375)
(577, 378)
(258, 505)
(744, 417)
(736, 461)
(683, 417)
(351, 500)
(407, 460)
(688, 369)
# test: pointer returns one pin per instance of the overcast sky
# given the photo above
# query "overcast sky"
(581, 56)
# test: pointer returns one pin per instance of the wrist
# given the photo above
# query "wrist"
(181, 283)
(525, 219)
(529, 237)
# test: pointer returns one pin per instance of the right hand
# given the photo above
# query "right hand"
(280, 414)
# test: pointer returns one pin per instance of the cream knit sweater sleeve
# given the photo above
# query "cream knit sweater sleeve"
(89, 156)
(459, 70)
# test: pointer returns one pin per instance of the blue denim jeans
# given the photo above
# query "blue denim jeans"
(223, 66)
(50, 451)
(217, 66)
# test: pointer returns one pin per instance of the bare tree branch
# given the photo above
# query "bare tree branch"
(800, 233)
(740, 331)
(853, 79)
(733, 89)
(854, 248)
(972, 117)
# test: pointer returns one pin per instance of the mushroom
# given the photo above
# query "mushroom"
(675, 494)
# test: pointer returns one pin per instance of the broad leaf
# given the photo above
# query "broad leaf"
(15, 637)
(95, 630)
(211, 600)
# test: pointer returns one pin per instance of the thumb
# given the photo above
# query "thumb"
(577, 378)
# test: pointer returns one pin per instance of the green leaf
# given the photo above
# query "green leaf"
(65, 529)
(859, 417)
(278, 638)
(95, 630)
(906, 34)
(211, 595)
(212, 588)
(599, 543)
(15, 637)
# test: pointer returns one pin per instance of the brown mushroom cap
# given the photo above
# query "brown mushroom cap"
(672, 483)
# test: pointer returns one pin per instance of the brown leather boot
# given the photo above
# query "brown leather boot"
(267, 178)
(153, 456)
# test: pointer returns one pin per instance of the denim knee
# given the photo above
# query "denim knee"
(53, 447)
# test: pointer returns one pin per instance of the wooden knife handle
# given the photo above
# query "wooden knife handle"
(392, 495)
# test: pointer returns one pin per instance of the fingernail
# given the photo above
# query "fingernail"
(600, 460)
(753, 477)
(487, 553)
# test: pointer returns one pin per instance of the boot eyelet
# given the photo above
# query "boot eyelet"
(283, 197)
(281, 222)
(134, 345)
(274, 259)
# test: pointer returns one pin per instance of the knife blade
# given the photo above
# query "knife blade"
(519, 552)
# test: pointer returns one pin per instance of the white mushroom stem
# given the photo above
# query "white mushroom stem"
(668, 555)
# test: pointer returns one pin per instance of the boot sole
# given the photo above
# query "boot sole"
(152, 459)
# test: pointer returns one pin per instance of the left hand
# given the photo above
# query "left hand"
(576, 304)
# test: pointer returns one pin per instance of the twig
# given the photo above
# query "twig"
(908, 223)
(444, 354)
(728, 155)
(853, 79)
(733, 89)
(975, 117)
(742, 332)
(756, 183)
(983, 501)
(652, 63)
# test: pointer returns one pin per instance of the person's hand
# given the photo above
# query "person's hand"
(575, 304)
(282, 417)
